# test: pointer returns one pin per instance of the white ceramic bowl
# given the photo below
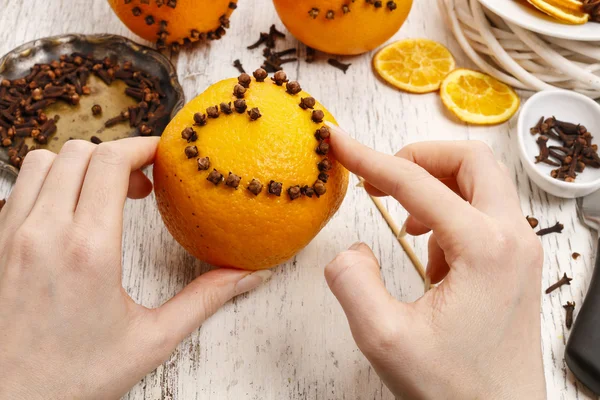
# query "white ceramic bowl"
(566, 106)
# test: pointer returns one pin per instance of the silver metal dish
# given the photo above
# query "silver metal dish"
(18, 62)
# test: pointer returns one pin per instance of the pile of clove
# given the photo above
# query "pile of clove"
(23, 100)
(573, 155)
(273, 59)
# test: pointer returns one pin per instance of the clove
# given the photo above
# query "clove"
(570, 308)
(558, 228)
(565, 280)
(339, 65)
(255, 187)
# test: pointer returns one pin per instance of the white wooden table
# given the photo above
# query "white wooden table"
(289, 339)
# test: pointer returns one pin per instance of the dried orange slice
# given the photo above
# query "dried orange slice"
(414, 65)
(561, 10)
(478, 98)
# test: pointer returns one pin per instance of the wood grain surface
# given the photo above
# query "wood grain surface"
(289, 339)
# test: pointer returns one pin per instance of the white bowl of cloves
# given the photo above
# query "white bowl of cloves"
(556, 142)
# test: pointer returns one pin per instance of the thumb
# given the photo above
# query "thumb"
(185, 312)
(354, 278)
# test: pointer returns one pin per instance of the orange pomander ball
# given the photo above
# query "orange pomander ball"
(175, 22)
(343, 27)
(243, 174)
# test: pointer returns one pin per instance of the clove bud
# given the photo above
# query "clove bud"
(322, 148)
(226, 108)
(324, 165)
(239, 91)
(189, 134)
(570, 308)
(565, 280)
(317, 116)
(323, 177)
(319, 188)
(191, 151)
(200, 119)
(279, 78)
(294, 192)
(293, 87)
(260, 75)
(215, 177)
(322, 133)
(233, 180)
(96, 109)
(254, 114)
(203, 163)
(275, 188)
(240, 106)
(308, 191)
(213, 112)
(307, 102)
(255, 187)
(244, 80)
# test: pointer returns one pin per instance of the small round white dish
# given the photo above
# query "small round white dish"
(566, 106)
(531, 19)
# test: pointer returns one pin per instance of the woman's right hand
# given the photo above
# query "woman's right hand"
(477, 334)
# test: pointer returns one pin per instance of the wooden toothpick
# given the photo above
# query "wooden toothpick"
(400, 234)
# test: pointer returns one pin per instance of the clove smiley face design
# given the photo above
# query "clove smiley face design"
(247, 182)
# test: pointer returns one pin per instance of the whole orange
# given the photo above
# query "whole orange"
(227, 221)
(175, 21)
(344, 27)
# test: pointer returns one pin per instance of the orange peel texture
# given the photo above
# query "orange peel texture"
(246, 189)
(343, 27)
(175, 22)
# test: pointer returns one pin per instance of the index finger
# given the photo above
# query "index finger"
(423, 196)
(106, 182)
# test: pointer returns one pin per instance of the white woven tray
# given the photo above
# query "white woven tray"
(518, 57)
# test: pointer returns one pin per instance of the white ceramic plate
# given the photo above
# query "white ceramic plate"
(536, 21)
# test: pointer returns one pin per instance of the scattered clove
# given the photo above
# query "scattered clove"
(533, 222)
(565, 280)
(575, 256)
(238, 65)
(554, 229)
(570, 308)
(339, 65)
(96, 109)
(322, 148)
(95, 140)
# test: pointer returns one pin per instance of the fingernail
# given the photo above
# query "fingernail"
(336, 129)
(252, 281)
(356, 246)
